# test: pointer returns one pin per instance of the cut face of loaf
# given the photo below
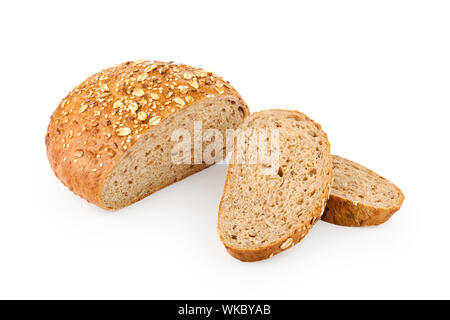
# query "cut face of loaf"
(359, 196)
(264, 214)
(147, 165)
(109, 140)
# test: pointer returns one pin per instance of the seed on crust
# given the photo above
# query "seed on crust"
(200, 73)
(154, 120)
(150, 68)
(219, 87)
(189, 99)
(142, 77)
(133, 106)
(183, 89)
(78, 153)
(121, 132)
(187, 75)
(154, 96)
(83, 108)
(289, 242)
(178, 101)
(194, 84)
(118, 104)
(142, 115)
(138, 92)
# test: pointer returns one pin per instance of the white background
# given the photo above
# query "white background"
(375, 74)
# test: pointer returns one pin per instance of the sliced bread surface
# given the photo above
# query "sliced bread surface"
(261, 215)
(359, 196)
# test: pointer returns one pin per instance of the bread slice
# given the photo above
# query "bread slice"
(110, 139)
(260, 214)
(359, 196)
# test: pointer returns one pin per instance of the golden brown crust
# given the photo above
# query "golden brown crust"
(100, 119)
(262, 253)
(345, 212)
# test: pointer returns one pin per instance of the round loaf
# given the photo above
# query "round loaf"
(99, 138)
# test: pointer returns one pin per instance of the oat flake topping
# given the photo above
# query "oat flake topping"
(109, 111)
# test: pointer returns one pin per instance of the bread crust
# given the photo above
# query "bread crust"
(265, 252)
(101, 118)
(346, 212)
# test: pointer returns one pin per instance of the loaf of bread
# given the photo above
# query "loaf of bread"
(261, 215)
(109, 140)
(359, 196)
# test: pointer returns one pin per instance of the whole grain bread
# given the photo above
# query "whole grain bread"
(359, 196)
(262, 214)
(109, 140)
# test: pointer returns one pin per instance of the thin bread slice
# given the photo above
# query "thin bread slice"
(261, 215)
(359, 196)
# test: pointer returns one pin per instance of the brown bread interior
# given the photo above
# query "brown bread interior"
(259, 210)
(147, 166)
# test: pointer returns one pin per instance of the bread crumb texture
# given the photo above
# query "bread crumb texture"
(262, 215)
(359, 196)
(102, 118)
